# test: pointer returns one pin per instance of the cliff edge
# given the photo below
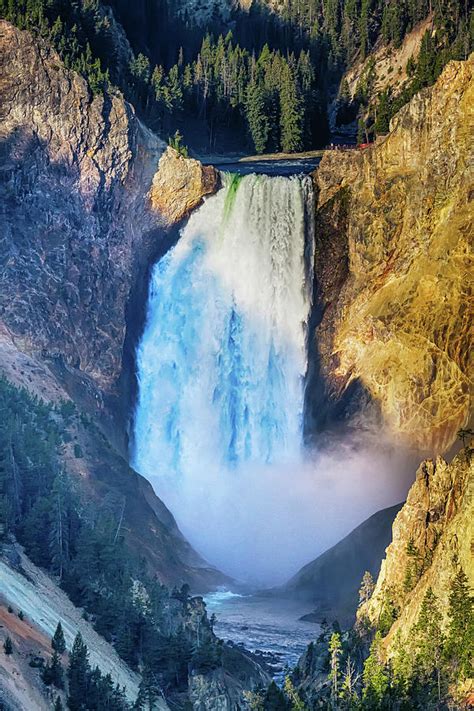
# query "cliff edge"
(394, 268)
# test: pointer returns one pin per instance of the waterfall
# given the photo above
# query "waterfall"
(223, 357)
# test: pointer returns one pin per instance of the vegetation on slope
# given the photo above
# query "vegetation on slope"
(411, 648)
(80, 540)
(268, 79)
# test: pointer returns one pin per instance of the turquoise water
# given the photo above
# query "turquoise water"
(222, 361)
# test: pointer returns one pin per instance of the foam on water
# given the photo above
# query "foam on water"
(222, 361)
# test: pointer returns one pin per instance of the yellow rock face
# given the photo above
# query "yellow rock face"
(180, 184)
(403, 314)
(438, 518)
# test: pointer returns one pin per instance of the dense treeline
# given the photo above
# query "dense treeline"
(80, 32)
(274, 95)
(348, 671)
(451, 36)
(268, 80)
(80, 540)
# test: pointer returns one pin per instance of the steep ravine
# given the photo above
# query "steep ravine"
(85, 215)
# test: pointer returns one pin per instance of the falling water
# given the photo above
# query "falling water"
(222, 361)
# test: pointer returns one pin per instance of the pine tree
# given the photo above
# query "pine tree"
(413, 569)
(364, 27)
(335, 652)
(291, 112)
(257, 118)
(53, 672)
(376, 679)
(58, 704)
(149, 691)
(58, 536)
(460, 641)
(429, 641)
(296, 704)
(78, 671)
(382, 122)
(8, 646)
(58, 643)
(274, 699)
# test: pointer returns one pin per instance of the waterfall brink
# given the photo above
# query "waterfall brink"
(222, 361)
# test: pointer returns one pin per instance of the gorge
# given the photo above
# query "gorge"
(204, 369)
(221, 368)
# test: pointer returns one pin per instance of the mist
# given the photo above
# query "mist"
(260, 524)
(221, 371)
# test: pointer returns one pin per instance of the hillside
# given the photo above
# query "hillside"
(412, 642)
(229, 74)
(25, 588)
(332, 581)
(432, 538)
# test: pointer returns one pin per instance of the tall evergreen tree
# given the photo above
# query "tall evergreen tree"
(376, 679)
(77, 674)
(429, 642)
(58, 643)
(382, 121)
(291, 113)
(460, 642)
(257, 117)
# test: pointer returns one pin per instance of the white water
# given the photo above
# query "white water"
(222, 361)
(221, 366)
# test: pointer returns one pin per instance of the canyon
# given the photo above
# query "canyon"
(93, 200)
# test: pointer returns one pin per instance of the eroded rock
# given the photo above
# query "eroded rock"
(76, 229)
(437, 519)
(180, 184)
(398, 219)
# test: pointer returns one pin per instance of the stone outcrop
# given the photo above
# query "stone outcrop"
(180, 184)
(438, 520)
(224, 688)
(76, 234)
(393, 270)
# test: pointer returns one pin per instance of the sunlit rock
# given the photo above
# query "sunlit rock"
(397, 220)
(180, 184)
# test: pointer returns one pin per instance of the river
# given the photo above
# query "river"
(264, 625)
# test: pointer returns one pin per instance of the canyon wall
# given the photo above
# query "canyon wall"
(394, 271)
(78, 227)
(77, 236)
(431, 538)
(74, 167)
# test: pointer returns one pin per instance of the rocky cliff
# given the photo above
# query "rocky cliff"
(432, 536)
(78, 228)
(77, 238)
(73, 167)
(392, 265)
